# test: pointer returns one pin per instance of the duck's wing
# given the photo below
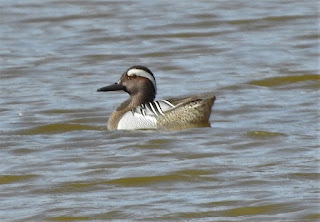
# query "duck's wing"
(155, 108)
(180, 101)
(144, 116)
(192, 111)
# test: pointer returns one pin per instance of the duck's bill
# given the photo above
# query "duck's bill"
(114, 87)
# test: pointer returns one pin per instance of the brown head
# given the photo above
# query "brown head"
(138, 82)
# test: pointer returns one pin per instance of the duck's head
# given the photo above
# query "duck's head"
(137, 81)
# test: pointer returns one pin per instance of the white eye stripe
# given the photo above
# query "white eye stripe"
(142, 73)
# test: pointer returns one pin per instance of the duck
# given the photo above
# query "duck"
(141, 112)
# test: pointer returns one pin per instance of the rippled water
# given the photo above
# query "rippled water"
(259, 160)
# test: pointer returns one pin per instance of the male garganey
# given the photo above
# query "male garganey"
(140, 111)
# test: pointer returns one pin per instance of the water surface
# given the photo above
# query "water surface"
(259, 160)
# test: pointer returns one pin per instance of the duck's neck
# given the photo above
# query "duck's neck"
(135, 100)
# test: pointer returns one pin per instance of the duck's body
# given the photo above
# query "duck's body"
(140, 111)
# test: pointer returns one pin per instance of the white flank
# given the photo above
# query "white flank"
(131, 121)
(144, 117)
(142, 73)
